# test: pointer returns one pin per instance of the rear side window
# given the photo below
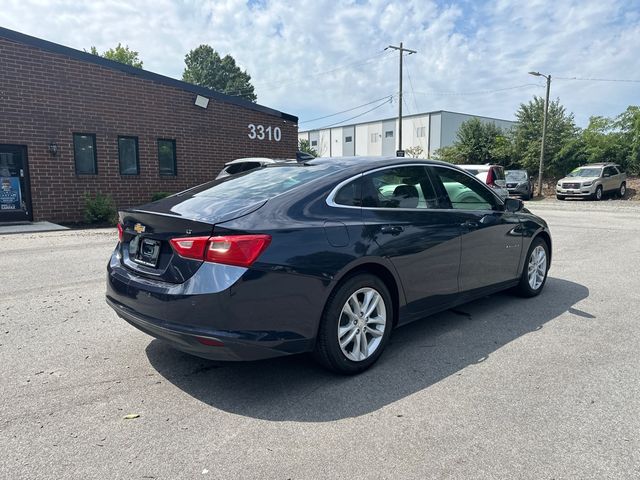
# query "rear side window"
(463, 192)
(350, 195)
(498, 173)
(399, 187)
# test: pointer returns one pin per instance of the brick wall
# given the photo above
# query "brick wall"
(45, 97)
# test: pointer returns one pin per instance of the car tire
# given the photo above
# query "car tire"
(333, 348)
(598, 193)
(622, 190)
(560, 197)
(535, 269)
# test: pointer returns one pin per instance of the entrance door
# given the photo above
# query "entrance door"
(15, 200)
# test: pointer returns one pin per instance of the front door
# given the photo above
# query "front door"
(15, 200)
(491, 243)
(400, 213)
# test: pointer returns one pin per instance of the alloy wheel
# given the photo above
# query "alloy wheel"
(362, 324)
(537, 267)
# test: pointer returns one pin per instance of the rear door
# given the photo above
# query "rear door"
(15, 198)
(401, 215)
(491, 241)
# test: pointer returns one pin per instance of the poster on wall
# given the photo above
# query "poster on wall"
(10, 196)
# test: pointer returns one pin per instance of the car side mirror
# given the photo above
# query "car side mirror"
(606, 175)
(513, 205)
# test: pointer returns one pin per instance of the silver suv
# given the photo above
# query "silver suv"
(593, 181)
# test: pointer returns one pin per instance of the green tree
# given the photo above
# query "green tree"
(628, 123)
(561, 130)
(206, 68)
(305, 146)
(604, 142)
(120, 54)
(478, 143)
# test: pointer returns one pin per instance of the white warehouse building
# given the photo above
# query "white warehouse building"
(431, 131)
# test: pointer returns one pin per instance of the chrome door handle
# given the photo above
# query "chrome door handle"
(470, 224)
(392, 229)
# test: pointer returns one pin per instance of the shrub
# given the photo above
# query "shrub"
(99, 209)
(159, 196)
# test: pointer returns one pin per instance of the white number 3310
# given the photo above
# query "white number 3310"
(260, 132)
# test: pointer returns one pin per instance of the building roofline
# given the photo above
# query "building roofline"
(22, 38)
(405, 117)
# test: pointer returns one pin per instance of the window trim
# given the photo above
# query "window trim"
(75, 153)
(129, 137)
(331, 202)
(175, 157)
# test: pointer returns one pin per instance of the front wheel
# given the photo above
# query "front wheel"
(560, 197)
(536, 267)
(355, 326)
(598, 194)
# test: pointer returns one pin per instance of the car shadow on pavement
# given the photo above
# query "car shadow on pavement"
(419, 355)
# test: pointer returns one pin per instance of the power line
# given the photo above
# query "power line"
(481, 92)
(598, 79)
(348, 110)
(356, 116)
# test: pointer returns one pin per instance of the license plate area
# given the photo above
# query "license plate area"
(144, 251)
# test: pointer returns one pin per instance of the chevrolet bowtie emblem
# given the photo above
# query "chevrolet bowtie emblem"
(139, 228)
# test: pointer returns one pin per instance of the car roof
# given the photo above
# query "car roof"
(600, 164)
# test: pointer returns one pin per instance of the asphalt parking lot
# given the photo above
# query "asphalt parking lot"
(546, 388)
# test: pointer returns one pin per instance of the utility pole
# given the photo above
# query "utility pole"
(401, 50)
(544, 127)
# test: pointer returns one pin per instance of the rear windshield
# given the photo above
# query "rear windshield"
(265, 183)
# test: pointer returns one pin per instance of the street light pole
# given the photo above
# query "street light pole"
(544, 128)
(401, 50)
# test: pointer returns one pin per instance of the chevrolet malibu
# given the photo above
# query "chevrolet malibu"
(327, 256)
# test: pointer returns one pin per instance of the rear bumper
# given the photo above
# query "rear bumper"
(243, 309)
(237, 345)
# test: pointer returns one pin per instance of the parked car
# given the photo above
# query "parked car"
(244, 165)
(326, 256)
(241, 165)
(593, 181)
(492, 175)
(519, 183)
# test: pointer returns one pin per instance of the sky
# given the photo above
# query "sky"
(314, 58)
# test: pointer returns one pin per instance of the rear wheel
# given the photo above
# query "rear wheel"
(536, 267)
(622, 190)
(355, 325)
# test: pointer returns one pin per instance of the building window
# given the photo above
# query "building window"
(374, 138)
(167, 157)
(84, 152)
(128, 155)
(348, 139)
(314, 143)
(420, 132)
(388, 134)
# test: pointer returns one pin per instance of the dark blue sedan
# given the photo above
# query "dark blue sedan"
(326, 256)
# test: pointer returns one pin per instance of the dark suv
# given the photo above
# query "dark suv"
(519, 183)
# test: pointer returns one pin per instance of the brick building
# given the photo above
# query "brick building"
(73, 124)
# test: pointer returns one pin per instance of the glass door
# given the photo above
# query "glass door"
(15, 201)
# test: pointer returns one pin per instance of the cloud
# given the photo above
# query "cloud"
(314, 57)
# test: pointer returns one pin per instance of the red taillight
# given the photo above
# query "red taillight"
(190, 247)
(491, 177)
(239, 250)
(120, 232)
